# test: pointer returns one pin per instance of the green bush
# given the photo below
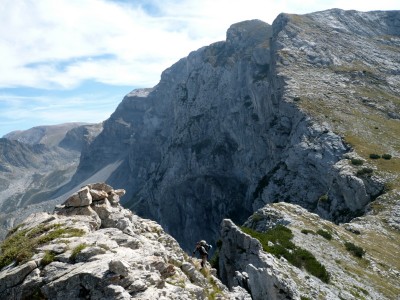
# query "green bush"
(355, 250)
(282, 246)
(386, 156)
(307, 231)
(325, 234)
(365, 172)
(357, 162)
(374, 156)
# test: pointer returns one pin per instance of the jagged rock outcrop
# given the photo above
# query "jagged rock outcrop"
(91, 247)
(228, 128)
(243, 262)
(35, 163)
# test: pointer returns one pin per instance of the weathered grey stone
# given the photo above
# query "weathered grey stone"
(98, 195)
(119, 267)
(100, 186)
(102, 208)
(80, 198)
(120, 192)
(89, 252)
(95, 221)
(138, 286)
(113, 198)
(239, 293)
(14, 276)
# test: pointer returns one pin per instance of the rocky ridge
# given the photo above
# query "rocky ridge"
(91, 247)
(243, 262)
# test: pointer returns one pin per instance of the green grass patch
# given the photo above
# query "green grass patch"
(325, 234)
(374, 156)
(282, 246)
(47, 258)
(78, 249)
(21, 245)
(355, 250)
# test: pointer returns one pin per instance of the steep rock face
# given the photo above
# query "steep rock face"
(342, 71)
(242, 261)
(93, 248)
(222, 133)
(35, 163)
(80, 137)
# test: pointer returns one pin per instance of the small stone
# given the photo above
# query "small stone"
(100, 186)
(113, 198)
(138, 286)
(98, 195)
(79, 199)
(120, 192)
(120, 267)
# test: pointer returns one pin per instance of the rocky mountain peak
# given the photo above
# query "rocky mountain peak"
(248, 32)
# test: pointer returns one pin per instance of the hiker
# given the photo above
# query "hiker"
(202, 247)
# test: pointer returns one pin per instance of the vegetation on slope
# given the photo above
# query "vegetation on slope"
(277, 241)
(20, 245)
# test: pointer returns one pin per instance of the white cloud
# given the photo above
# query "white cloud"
(36, 37)
(24, 112)
(46, 32)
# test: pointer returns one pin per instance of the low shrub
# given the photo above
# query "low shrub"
(386, 156)
(365, 172)
(307, 231)
(325, 234)
(374, 156)
(355, 250)
(357, 162)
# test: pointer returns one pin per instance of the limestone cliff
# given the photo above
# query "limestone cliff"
(269, 115)
(92, 248)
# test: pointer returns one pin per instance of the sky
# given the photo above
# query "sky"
(74, 60)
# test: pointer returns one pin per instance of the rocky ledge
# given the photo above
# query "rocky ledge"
(92, 248)
(285, 252)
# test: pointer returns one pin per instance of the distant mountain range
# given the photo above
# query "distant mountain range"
(36, 162)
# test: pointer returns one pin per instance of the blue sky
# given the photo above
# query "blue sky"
(74, 60)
